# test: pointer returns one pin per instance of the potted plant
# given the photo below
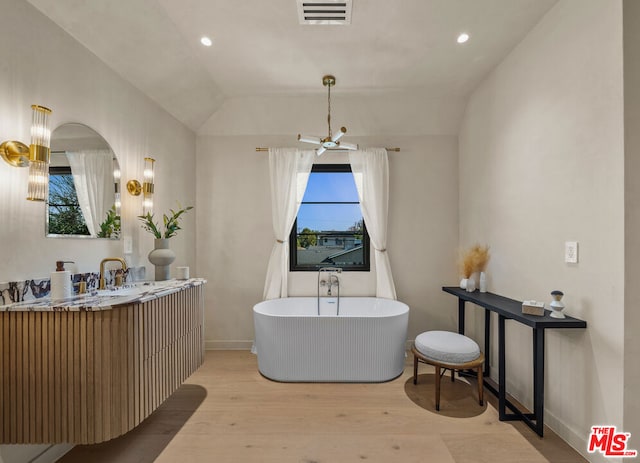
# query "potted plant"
(110, 228)
(162, 256)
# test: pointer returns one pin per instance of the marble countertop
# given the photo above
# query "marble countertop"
(107, 299)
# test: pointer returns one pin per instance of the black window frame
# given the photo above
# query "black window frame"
(293, 236)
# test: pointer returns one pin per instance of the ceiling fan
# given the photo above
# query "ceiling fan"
(331, 141)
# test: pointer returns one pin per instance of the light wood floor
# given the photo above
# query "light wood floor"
(228, 412)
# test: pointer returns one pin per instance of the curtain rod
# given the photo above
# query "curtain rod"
(259, 149)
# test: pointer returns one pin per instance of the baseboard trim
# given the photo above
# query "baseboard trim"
(228, 345)
(571, 437)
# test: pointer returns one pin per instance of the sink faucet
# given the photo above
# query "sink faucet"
(104, 261)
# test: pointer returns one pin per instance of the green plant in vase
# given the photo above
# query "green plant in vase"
(110, 228)
(161, 256)
(171, 223)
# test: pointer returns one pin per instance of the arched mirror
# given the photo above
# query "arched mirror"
(84, 185)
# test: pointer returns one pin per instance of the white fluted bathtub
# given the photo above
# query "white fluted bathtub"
(364, 343)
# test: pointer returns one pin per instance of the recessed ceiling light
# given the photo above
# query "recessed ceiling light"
(206, 41)
(462, 38)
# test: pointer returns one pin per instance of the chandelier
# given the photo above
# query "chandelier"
(331, 141)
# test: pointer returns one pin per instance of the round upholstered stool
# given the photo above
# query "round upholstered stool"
(446, 350)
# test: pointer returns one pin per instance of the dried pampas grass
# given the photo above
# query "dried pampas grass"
(474, 260)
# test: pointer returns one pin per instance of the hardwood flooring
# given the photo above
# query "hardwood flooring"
(228, 412)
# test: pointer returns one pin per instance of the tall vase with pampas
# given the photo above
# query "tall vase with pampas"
(482, 259)
(472, 261)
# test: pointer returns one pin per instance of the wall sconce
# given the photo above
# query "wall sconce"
(135, 188)
(116, 182)
(36, 155)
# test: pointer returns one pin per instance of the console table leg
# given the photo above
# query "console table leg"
(487, 341)
(502, 393)
(538, 379)
(460, 316)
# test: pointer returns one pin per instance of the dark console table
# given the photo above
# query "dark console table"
(512, 310)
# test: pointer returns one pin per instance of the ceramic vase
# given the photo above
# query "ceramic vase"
(471, 285)
(482, 285)
(463, 283)
(162, 257)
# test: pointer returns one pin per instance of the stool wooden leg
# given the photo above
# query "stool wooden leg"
(415, 369)
(480, 386)
(437, 387)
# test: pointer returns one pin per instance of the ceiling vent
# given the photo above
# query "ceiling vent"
(331, 12)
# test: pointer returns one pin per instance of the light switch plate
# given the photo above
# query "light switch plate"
(571, 252)
(128, 245)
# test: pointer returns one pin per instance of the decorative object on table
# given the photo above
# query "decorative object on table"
(162, 256)
(472, 261)
(557, 305)
(481, 256)
(533, 308)
(471, 284)
(482, 284)
(182, 273)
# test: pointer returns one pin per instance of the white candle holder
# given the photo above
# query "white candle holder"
(557, 306)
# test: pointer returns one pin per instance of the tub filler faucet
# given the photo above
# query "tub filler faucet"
(331, 281)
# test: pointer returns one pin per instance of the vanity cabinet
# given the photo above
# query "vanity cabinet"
(87, 376)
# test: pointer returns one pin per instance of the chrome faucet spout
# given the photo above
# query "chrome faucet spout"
(329, 283)
(103, 262)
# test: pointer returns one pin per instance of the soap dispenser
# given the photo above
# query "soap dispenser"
(61, 281)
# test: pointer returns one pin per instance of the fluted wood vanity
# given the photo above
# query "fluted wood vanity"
(88, 375)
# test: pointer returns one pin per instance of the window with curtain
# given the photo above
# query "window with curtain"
(65, 216)
(329, 229)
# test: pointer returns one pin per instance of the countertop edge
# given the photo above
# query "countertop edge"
(93, 303)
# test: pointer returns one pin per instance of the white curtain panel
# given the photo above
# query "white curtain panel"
(370, 169)
(93, 178)
(289, 170)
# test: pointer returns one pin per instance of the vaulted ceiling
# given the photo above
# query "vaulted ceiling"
(260, 47)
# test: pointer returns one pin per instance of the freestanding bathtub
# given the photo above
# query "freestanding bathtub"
(364, 343)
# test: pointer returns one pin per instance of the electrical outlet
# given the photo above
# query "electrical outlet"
(571, 252)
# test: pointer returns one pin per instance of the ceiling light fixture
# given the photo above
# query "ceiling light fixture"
(206, 41)
(331, 140)
(462, 38)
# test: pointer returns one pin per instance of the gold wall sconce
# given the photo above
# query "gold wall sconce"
(36, 155)
(146, 188)
(116, 183)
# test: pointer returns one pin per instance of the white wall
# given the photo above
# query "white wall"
(541, 163)
(233, 182)
(631, 11)
(42, 64)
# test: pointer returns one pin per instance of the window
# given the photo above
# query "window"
(65, 216)
(329, 230)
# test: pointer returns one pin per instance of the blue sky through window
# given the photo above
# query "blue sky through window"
(329, 187)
